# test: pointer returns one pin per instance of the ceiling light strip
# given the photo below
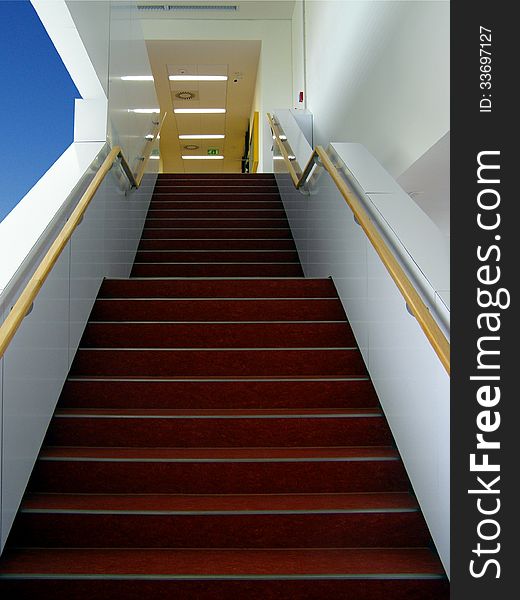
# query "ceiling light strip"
(192, 111)
(198, 78)
(202, 136)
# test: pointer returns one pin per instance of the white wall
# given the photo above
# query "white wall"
(378, 74)
(38, 358)
(298, 55)
(274, 71)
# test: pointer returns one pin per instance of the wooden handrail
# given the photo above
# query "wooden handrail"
(24, 302)
(412, 298)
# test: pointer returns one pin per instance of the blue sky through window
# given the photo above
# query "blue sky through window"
(36, 102)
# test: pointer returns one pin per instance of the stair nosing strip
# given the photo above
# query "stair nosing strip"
(223, 250)
(211, 298)
(214, 379)
(66, 415)
(325, 511)
(218, 263)
(219, 460)
(244, 577)
(216, 239)
(217, 322)
(205, 349)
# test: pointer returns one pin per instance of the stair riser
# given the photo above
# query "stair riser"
(215, 213)
(212, 335)
(222, 221)
(391, 529)
(216, 257)
(218, 310)
(208, 189)
(261, 288)
(218, 394)
(263, 245)
(210, 183)
(218, 432)
(218, 231)
(217, 195)
(217, 270)
(170, 203)
(106, 589)
(219, 363)
(218, 477)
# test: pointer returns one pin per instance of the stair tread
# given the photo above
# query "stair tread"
(223, 503)
(223, 562)
(223, 288)
(249, 453)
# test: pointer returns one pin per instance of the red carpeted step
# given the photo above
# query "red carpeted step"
(216, 256)
(210, 184)
(263, 527)
(205, 213)
(218, 335)
(171, 203)
(218, 471)
(238, 195)
(422, 587)
(229, 503)
(230, 562)
(216, 176)
(233, 429)
(209, 189)
(217, 270)
(131, 393)
(188, 244)
(220, 222)
(218, 363)
(217, 232)
(202, 310)
(259, 288)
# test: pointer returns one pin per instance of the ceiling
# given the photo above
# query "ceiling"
(236, 59)
(246, 9)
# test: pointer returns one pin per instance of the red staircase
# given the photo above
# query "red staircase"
(218, 435)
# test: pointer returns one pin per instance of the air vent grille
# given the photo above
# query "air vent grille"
(187, 7)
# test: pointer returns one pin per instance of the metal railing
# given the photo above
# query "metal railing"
(413, 300)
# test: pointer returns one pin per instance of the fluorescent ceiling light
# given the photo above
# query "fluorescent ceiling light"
(193, 157)
(155, 157)
(144, 110)
(202, 136)
(137, 78)
(193, 111)
(198, 78)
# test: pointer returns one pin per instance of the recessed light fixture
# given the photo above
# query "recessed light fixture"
(203, 136)
(208, 111)
(145, 111)
(137, 78)
(191, 147)
(198, 77)
(154, 157)
(193, 157)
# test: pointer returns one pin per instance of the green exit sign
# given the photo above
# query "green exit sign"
(213, 151)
